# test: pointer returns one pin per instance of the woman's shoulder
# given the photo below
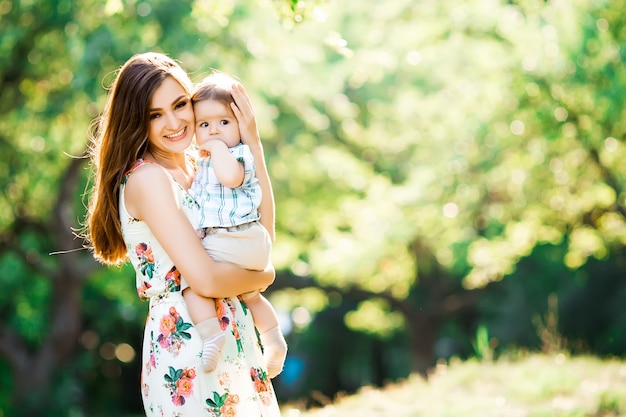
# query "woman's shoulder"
(143, 170)
(149, 187)
(146, 177)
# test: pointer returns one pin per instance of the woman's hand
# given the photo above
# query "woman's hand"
(250, 136)
(244, 112)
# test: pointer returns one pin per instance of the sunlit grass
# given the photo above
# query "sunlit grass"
(531, 386)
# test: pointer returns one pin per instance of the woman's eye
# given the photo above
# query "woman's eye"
(154, 116)
(181, 104)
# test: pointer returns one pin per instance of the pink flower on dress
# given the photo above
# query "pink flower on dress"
(173, 331)
(223, 405)
(164, 342)
(144, 251)
(146, 259)
(184, 386)
(141, 290)
(220, 313)
(151, 364)
(259, 379)
(261, 385)
(174, 313)
(168, 325)
(180, 384)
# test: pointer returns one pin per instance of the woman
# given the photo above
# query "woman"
(140, 211)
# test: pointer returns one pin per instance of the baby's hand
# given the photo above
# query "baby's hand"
(211, 146)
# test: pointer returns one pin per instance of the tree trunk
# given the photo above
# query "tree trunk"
(34, 370)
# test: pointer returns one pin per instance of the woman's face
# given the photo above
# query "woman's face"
(171, 117)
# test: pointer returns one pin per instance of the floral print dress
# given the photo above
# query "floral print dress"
(173, 382)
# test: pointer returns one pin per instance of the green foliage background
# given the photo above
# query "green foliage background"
(440, 168)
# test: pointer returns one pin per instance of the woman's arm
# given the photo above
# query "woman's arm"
(250, 136)
(151, 197)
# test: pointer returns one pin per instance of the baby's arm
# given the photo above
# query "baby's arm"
(228, 170)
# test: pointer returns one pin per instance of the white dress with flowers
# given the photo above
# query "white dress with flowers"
(173, 383)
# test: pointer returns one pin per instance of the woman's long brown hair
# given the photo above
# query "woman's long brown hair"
(119, 139)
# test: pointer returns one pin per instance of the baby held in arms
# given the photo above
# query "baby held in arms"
(231, 227)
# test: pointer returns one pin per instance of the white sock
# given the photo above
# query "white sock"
(214, 339)
(274, 351)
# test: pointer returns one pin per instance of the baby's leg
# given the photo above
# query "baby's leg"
(265, 317)
(202, 312)
(266, 320)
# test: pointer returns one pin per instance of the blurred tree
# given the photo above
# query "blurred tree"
(41, 301)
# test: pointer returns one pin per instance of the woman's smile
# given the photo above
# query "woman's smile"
(178, 135)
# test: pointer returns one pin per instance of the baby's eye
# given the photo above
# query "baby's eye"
(224, 122)
(204, 124)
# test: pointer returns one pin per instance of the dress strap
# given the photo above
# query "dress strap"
(191, 159)
(139, 162)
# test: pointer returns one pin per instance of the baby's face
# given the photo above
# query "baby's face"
(216, 121)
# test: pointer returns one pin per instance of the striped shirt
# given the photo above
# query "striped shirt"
(223, 206)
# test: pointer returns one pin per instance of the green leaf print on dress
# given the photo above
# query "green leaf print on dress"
(223, 405)
(173, 331)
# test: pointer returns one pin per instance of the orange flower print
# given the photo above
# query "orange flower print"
(141, 291)
(184, 386)
(222, 308)
(223, 405)
(173, 331)
(261, 385)
(172, 280)
(180, 384)
(146, 259)
(223, 378)
(259, 379)
(220, 313)
(168, 325)
(228, 411)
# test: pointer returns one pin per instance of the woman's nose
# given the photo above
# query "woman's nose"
(172, 121)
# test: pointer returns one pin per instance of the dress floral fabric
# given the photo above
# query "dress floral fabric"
(173, 383)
